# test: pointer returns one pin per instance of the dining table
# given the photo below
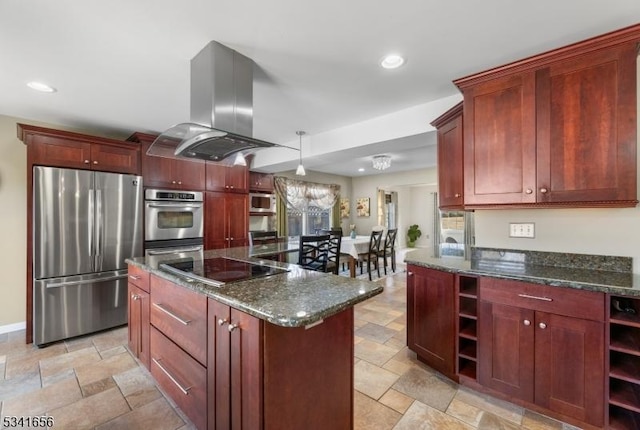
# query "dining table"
(352, 247)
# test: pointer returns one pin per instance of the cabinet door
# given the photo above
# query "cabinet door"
(569, 366)
(430, 317)
(500, 141)
(246, 371)
(234, 371)
(215, 225)
(261, 182)
(59, 152)
(237, 179)
(586, 110)
(216, 177)
(134, 322)
(156, 171)
(506, 354)
(237, 213)
(188, 175)
(450, 173)
(115, 159)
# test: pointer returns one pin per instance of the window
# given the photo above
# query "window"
(313, 221)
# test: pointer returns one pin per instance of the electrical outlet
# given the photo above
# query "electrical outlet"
(522, 229)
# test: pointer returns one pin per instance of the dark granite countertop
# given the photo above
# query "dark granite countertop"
(586, 272)
(296, 298)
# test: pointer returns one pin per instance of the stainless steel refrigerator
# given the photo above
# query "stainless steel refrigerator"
(84, 226)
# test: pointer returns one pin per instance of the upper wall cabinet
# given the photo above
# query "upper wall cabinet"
(450, 168)
(556, 129)
(172, 173)
(232, 179)
(49, 147)
(259, 181)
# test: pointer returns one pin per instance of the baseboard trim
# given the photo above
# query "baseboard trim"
(13, 327)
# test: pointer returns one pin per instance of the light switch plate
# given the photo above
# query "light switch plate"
(522, 229)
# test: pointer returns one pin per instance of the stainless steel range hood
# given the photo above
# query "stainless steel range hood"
(221, 110)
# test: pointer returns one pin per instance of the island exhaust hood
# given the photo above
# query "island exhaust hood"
(221, 111)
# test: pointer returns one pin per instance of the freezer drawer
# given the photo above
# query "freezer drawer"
(77, 305)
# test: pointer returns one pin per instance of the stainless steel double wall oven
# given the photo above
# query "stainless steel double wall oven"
(174, 222)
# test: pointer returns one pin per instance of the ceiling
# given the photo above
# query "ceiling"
(122, 66)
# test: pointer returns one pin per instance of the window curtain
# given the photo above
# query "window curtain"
(300, 194)
(335, 214)
(281, 217)
(382, 206)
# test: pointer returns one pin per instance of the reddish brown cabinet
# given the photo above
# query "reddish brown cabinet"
(234, 372)
(139, 323)
(262, 182)
(231, 179)
(226, 222)
(543, 345)
(556, 129)
(431, 331)
(59, 148)
(499, 141)
(450, 158)
(171, 173)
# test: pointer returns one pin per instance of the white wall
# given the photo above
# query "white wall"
(413, 188)
(13, 223)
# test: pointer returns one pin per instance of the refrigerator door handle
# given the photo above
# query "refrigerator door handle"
(99, 223)
(84, 281)
(92, 198)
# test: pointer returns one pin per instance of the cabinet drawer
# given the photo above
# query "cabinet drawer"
(558, 300)
(139, 277)
(181, 315)
(182, 377)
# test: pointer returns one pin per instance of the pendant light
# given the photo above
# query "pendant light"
(300, 170)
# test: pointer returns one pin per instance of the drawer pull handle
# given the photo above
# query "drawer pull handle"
(527, 296)
(171, 314)
(527, 322)
(185, 391)
(134, 277)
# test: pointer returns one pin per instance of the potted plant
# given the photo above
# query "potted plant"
(412, 235)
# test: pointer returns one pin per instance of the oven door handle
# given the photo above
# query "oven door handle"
(174, 251)
(174, 205)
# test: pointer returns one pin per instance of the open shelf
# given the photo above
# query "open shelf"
(468, 286)
(467, 327)
(624, 394)
(468, 349)
(623, 419)
(625, 338)
(625, 367)
(468, 308)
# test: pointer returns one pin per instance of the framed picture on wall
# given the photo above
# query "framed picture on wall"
(362, 206)
(344, 208)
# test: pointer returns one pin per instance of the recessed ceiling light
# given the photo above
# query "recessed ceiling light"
(39, 86)
(361, 169)
(392, 61)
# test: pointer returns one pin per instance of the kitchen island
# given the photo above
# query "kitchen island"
(270, 352)
(557, 333)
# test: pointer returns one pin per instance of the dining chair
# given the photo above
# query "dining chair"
(262, 237)
(333, 258)
(313, 252)
(389, 249)
(372, 253)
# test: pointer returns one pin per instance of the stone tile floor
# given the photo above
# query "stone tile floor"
(93, 382)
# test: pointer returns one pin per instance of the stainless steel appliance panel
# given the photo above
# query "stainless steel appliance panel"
(155, 255)
(76, 305)
(118, 222)
(170, 219)
(63, 224)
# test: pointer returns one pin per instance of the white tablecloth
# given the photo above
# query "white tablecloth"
(353, 247)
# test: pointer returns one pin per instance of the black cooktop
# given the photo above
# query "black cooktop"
(219, 270)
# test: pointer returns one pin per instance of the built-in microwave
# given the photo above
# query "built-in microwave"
(262, 203)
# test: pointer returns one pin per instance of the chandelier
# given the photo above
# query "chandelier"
(381, 162)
